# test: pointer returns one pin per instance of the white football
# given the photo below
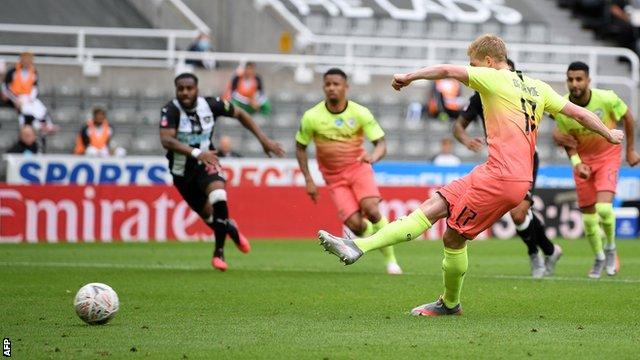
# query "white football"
(96, 303)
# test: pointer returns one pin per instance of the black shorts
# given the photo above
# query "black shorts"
(536, 163)
(194, 184)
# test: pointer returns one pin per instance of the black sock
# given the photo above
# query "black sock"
(527, 236)
(540, 236)
(219, 226)
(233, 232)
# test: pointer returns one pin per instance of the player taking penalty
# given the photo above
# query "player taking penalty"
(596, 162)
(528, 226)
(513, 106)
(338, 126)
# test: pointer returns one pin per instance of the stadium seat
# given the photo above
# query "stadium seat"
(148, 116)
(285, 120)
(411, 52)
(393, 146)
(490, 27)
(8, 114)
(388, 27)
(62, 142)
(534, 57)
(389, 122)
(464, 31)
(66, 115)
(122, 139)
(537, 33)
(122, 115)
(415, 147)
(331, 49)
(386, 51)
(364, 27)
(338, 26)
(514, 33)
(147, 144)
(439, 29)
(363, 50)
(414, 29)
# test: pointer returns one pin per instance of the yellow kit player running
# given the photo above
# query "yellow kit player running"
(513, 107)
(596, 162)
(338, 126)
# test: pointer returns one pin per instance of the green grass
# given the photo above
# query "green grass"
(288, 299)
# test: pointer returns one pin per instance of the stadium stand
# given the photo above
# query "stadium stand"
(133, 94)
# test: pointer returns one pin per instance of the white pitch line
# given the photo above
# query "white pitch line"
(187, 267)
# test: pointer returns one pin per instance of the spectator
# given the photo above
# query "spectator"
(95, 136)
(444, 101)
(225, 148)
(202, 44)
(27, 143)
(446, 156)
(20, 89)
(21, 82)
(247, 91)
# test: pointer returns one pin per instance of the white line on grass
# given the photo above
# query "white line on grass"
(187, 267)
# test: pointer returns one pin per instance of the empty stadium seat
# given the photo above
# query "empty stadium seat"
(364, 27)
(464, 31)
(537, 33)
(388, 27)
(338, 26)
(439, 29)
(62, 142)
(414, 29)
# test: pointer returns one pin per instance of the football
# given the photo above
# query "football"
(96, 303)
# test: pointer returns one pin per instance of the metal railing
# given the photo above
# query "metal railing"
(434, 50)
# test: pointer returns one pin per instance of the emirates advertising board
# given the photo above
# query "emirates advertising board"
(51, 198)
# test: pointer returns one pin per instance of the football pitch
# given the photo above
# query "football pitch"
(290, 300)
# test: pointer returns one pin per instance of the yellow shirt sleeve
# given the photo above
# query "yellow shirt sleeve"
(370, 126)
(304, 135)
(482, 79)
(553, 102)
(618, 107)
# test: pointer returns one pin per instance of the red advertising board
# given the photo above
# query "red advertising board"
(49, 213)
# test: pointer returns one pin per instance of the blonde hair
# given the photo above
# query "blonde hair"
(488, 45)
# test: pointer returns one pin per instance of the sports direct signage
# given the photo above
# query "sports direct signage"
(152, 170)
(145, 170)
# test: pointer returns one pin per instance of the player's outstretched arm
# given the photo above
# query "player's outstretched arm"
(303, 162)
(170, 142)
(433, 72)
(269, 146)
(591, 121)
(633, 158)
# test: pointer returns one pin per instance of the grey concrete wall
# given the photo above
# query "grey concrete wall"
(237, 27)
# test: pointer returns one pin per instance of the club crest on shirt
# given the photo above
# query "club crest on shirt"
(351, 122)
(339, 122)
(208, 119)
(599, 113)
